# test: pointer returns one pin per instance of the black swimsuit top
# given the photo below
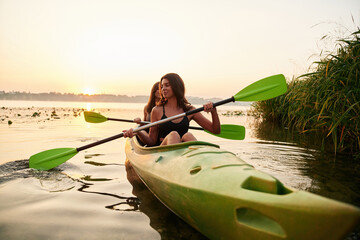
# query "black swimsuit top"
(167, 127)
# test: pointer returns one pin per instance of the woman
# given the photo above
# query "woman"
(173, 102)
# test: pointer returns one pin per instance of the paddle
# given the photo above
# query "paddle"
(228, 131)
(261, 90)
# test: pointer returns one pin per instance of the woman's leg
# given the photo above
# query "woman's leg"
(187, 137)
(172, 138)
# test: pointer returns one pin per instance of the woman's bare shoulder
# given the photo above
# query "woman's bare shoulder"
(191, 107)
(156, 111)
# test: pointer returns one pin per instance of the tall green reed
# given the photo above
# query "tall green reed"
(325, 101)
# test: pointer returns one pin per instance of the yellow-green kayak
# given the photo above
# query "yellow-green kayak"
(223, 197)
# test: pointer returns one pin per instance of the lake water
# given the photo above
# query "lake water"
(96, 195)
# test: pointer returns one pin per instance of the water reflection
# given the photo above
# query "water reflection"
(127, 203)
(13, 170)
(90, 178)
(161, 219)
(308, 166)
(51, 181)
(335, 177)
(56, 180)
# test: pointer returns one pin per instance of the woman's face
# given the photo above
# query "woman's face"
(166, 88)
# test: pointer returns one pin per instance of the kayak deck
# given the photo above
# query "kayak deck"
(224, 197)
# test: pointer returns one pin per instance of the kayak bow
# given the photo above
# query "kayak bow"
(223, 197)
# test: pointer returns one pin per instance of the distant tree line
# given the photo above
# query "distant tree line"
(54, 96)
(71, 97)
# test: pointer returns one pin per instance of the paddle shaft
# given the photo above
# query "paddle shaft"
(123, 120)
(232, 99)
(138, 129)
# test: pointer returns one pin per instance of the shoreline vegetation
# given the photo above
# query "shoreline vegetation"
(324, 103)
(70, 97)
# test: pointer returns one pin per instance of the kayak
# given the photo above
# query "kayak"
(223, 197)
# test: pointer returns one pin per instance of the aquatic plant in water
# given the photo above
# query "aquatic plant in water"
(325, 101)
(233, 113)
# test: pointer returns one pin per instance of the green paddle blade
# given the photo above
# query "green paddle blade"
(229, 131)
(94, 117)
(263, 89)
(51, 158)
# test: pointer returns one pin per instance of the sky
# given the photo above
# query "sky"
(218, 47)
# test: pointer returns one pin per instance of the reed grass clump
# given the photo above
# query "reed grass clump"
(325, 101)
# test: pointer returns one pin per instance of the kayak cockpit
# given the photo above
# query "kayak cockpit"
(140, 146)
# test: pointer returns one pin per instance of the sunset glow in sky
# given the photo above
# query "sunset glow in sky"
(124, 46)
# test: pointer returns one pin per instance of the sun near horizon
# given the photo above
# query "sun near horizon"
(88, 91)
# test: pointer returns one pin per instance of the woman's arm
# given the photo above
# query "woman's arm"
(150, 138)
(146, 114)
(138, 120)
(212, 126)
(155, 116)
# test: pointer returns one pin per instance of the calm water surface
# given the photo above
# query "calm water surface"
(96, 195)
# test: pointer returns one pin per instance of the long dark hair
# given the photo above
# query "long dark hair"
(178, 87)
(152, 99)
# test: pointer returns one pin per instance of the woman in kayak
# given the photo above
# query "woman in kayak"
(173, 102)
